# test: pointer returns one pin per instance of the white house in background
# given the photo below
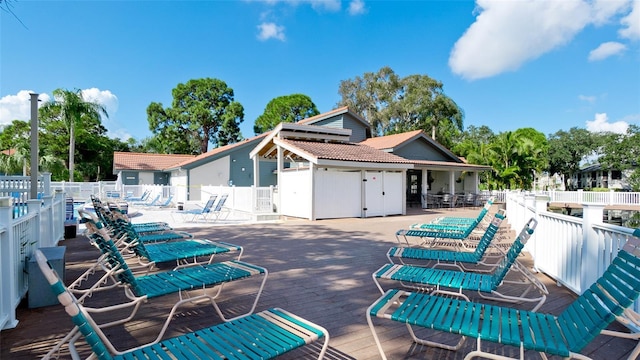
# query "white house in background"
(594, 176)
(145, 169)
(322, 174)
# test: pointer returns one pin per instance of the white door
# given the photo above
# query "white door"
(373, 183)
(383, 193)
(393, 193)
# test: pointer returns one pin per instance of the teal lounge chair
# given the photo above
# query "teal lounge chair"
(452, 258)
(456, 221)
(185, 252)
(565, 335)
(485, 284)
(193, 284)
(264, 335)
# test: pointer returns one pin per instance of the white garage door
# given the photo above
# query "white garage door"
(337, 194)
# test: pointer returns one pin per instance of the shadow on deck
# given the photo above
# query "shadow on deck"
(319, 270)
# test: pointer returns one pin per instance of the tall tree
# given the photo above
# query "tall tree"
(622, 152)
(203, 111)
(16, 146)
(288, 108)
(70, 108)
(567, 149)
(392, 104)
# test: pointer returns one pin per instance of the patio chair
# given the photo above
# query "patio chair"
(153, 202)
(451, 258)
(462, 222)
(449, 200)
(446, 235)
(193, 214)
(208, 279)
(160, 204)
(185, 252)
(485, 284)
(140, 198)
(564, 335)
(106, 213)
(117, 222)
(263, 335)
(220, 209)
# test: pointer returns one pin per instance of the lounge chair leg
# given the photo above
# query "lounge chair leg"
(375, 335)
(420, 341)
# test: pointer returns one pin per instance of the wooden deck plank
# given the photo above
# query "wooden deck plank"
(319, 270)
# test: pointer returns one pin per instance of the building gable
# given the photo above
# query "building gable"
(342, 118)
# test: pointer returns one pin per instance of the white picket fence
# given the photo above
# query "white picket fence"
(21, 232)
(573, 251)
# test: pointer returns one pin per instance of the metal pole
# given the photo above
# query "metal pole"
(34, 146)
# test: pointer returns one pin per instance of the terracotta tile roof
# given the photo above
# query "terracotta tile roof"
(346, 152)
(220, 150)
(149, 162)
(391, 141)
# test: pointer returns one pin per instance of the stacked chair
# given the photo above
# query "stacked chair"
(564, 335)
(485, 282)
(196, 279)
(448, 228)
(431, 293)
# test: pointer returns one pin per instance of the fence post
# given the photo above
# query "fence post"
(591, 244)
(541, 205)
(7, 248)
(35, 206)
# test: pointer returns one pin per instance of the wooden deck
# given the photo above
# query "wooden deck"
(319, 270)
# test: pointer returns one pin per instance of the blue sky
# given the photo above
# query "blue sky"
(550, 65)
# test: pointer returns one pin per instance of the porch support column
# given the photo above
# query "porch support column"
(452, 182)
(312, 186)
(279, 168)
(404, 192)
(256, 171)
(425, 187)
(475, 182)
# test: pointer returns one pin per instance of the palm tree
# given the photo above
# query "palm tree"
(70, 107)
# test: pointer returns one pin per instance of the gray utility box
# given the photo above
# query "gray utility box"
(40, 293)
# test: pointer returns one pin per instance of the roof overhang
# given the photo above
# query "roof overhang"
(447, 166)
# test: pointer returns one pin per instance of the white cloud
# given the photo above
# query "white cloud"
(356, 7)
(18, 106)
(318, 5)
(601, 124)
(631, 23)
(269, 30)
(121, 134)
(603, 10)
(606, 50)
(587, 98)
(103, 97)
(507, 34)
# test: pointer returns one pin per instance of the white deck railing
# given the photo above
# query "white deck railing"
(573, 251)
(42, 225)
